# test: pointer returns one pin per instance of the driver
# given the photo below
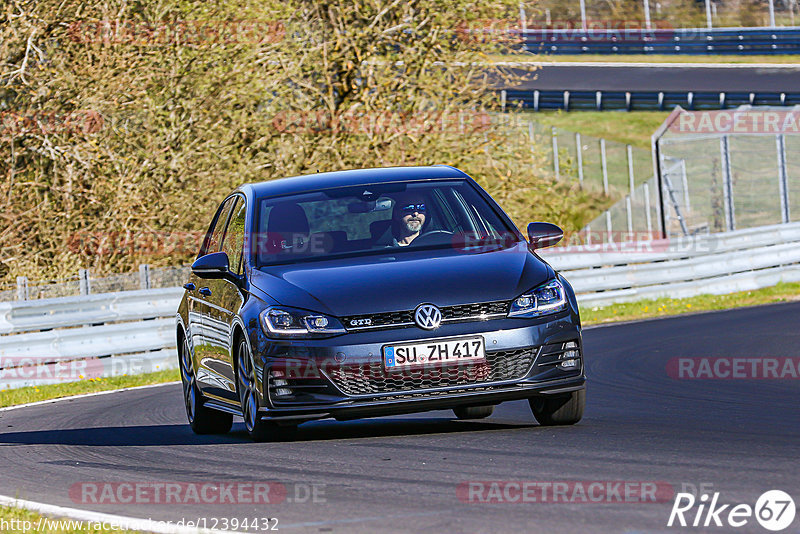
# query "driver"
(408, 219)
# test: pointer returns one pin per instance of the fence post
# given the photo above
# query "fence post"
(685, 184)
(144, 276)
(629, 214)
(646, 191)
(83, 281)
(503, 96)
(531, 139)
(609, 237)
(22, 288)
(579, 148)
(727, 184)
(660, 211)
(631, 183)
(536, 100)
(783, 179)
(554, 133)
(604, 165)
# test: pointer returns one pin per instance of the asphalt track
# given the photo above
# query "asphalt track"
(655, 77)
(400, 474)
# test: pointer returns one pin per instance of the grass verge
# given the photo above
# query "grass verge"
(11, 397)
(629, 127)
(664, 307)
(25, 521)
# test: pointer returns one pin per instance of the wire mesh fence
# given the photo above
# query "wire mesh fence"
(728, 170)
(719, 171)
(84, 283)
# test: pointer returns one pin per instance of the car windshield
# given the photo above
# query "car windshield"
(374, 219)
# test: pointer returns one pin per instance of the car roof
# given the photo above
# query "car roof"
(356, 177)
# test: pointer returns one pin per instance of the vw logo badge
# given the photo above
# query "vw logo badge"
(428, 316)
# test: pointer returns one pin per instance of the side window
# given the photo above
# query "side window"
(214, 235)
(234, 238)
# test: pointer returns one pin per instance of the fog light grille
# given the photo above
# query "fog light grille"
(373, 378)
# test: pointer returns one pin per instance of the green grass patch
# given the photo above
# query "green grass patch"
(645, 58)
(25, 521)
(664, 307)
(11, 397)
(628, 127)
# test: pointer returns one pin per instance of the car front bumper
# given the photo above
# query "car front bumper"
(316, 394)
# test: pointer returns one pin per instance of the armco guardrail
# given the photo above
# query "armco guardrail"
(739, 41)
(134, 331)
(91, 336)
(645, 100)
(713, 263)
(28, 315)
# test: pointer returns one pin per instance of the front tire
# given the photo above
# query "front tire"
(559, 409)
(473, 412)
(202, 420)
(258, 429)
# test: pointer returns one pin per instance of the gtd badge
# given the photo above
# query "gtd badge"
(428, 316)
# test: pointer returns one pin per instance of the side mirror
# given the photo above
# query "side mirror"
(214, 265)
(543, 234)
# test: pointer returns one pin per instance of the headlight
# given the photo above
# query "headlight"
(281, 321)
(548, 298)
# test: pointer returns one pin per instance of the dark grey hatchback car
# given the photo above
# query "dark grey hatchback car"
(374, 292)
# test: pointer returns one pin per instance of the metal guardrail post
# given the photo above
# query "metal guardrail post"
(144, 276)
(579, 149)
(604, 165)
(566, 100)
(783, 180)
(631, 183)
(83, 282)
(554, 133)
(609, 237)
(536, 100)
(22, 288)
(503, 97)
(646, 190)
(727, 184)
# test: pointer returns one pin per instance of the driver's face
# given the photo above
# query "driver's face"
(413, 216)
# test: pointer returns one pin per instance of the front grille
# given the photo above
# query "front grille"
(372, 378)
(461, 312)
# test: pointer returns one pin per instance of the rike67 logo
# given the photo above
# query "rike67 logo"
(774, 510)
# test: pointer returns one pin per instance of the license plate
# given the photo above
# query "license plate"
(434, 353)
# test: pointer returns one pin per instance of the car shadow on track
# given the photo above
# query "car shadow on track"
(180, 434)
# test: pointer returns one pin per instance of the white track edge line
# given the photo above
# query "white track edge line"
(128, 523)
(84, 395)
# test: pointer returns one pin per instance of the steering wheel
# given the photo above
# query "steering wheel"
(432, 237)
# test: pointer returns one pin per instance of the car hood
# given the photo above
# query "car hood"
(394, 282)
